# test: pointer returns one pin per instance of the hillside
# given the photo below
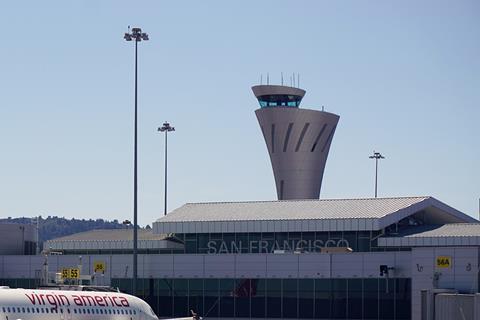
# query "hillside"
(54, 227)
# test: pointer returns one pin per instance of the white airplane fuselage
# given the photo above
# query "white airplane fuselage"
(25, 304)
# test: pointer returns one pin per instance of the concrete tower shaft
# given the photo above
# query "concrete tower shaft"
(298, 141)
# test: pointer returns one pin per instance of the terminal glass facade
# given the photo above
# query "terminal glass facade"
(269, 242)
(259, 242)
(370, 298)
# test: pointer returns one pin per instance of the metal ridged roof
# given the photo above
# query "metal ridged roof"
(373, 208)
(110, 235)
(451, 234)
(446, 230)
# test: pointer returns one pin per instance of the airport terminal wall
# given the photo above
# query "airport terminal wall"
(302, 285)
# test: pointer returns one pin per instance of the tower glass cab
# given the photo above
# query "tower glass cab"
(279, 100)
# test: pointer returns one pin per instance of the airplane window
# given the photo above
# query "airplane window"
(88, 311)
(61, 310)
(28, 310)
(23, 310)
(46, 310)
(68, 310)
(84, 311)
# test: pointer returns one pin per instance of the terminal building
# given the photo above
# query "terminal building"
(299, 257)
(18, 239)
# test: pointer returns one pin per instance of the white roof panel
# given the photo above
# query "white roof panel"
(451, 234)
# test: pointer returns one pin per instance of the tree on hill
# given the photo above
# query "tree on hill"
(53, 227)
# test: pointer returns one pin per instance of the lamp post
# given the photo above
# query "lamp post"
(376, 156)
(136, 35)
(166, 128)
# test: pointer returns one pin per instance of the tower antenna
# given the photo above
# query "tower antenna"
(298, 80)
(261, 79)
(268, 79)
(282, 78)
(294, 79)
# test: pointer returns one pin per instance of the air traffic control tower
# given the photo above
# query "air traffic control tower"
(297, 139)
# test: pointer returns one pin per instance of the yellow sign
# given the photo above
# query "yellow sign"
(75, 273)
(99, 266)
(65, 273)
(71, 273)
(444, 262)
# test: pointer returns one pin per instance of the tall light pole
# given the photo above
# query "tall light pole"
(166, 128)
(136, 35)
(376, 156)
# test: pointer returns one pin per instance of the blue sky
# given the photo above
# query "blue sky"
(404, 76)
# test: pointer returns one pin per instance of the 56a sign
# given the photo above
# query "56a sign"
(444, 262)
